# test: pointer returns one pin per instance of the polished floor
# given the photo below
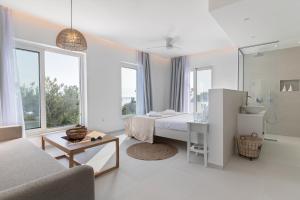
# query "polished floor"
(275, 175)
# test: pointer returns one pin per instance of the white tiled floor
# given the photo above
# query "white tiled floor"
(275, 175)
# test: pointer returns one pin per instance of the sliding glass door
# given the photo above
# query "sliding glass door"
(200, 83)
(51, 87)
(129, 87)
(62, 89)
(203, 84)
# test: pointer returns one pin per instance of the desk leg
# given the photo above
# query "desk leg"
(205, 149)
(71, 160)
(43, 143)
(117, 153)
(117, 161)
(188, 143)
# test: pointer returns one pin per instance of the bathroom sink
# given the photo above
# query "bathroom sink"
(254, 109)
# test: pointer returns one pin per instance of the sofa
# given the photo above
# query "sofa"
(29, 173)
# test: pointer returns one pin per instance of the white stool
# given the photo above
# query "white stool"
(200, 128)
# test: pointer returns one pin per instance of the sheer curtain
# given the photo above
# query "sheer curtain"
(144, 88)
(179, 97)
(11, 112)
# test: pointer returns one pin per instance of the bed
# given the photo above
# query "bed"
(174, 127)
(171, 125)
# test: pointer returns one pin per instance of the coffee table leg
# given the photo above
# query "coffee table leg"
(117, 153)
(117, 161)
(43, 143)
(71, 160)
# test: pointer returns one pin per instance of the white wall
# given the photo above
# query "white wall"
(103, 71)
(232, 100)
(215, 119)
(224, 63)
(223, 109)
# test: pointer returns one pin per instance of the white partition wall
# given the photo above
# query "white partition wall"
(215, 119)
(224, 106)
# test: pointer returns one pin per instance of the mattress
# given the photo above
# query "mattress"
(177, 122)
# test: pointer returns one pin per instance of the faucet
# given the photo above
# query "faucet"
(247, 97)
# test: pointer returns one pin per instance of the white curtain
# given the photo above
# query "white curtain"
(11, 112)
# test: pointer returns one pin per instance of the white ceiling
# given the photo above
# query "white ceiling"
(136, 23)
(249, 22)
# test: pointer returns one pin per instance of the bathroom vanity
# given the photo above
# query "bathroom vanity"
(249, 123)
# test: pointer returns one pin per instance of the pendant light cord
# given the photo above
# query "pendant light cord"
(71, 14)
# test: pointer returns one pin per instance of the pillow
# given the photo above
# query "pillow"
(154, 114)
(168, 112)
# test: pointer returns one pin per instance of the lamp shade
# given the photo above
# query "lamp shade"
(71, 39)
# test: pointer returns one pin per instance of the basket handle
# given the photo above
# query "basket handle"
(253, 134)
(242, 137)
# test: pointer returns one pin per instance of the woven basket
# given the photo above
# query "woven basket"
(77, 133)
(249, 145)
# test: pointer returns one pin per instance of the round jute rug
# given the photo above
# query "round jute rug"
(156, 151)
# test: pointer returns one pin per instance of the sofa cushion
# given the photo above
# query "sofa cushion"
(10, 132)
(76, 183)
(22, 161)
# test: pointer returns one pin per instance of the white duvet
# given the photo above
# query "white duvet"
(178, 122)
(142, 127)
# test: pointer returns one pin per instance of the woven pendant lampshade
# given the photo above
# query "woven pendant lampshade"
(71, 39)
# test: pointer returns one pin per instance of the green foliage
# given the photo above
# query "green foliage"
(129, 108)
(31, 105)
(62, 104)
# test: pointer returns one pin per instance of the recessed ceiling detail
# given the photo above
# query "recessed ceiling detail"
(249, 22)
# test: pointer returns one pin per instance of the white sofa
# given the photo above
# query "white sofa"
(28, 173)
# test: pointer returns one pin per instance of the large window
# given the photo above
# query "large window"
(62, 89)
(50, 87)
(200, 83)
(129, 87)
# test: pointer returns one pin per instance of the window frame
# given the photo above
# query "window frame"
(41, 49)
(195, 70)
(128, 65)
(40, 86)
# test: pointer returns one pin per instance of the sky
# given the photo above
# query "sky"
(203, 80)
(28, 67)
(128, 82)
(63, 67)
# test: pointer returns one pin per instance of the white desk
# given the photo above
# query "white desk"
(200, 128)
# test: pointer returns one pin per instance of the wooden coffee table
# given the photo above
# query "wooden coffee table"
(57, 140)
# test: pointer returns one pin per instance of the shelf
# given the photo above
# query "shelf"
(289, 85)
(197, 149)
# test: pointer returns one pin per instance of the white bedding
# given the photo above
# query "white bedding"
(178, 122)
(144, 127)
